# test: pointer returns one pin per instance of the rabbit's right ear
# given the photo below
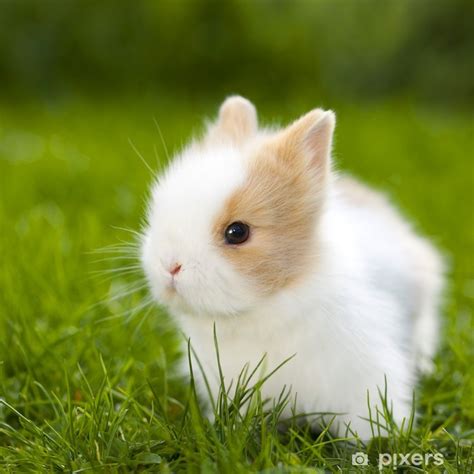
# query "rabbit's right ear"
(236, 122)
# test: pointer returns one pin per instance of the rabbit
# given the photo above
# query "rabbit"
(252, 234)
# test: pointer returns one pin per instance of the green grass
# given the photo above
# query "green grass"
(88, 374)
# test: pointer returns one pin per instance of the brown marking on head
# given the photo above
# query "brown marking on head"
(237, 121)
(281, 201)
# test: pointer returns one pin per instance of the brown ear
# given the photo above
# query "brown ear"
(308, 140)
(236, 122)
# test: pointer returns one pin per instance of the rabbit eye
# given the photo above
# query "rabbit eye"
(237, 233)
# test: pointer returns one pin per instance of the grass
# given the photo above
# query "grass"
(88, 369)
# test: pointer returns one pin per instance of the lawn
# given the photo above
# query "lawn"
(88, 378)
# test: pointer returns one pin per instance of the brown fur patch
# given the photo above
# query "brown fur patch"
(280, 201)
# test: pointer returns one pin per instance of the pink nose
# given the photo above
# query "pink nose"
(175, 269)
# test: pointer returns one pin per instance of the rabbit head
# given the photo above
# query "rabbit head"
(234, 218)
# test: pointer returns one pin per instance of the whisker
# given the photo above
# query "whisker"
(134, 311)
(159, 162)
(121, 254)
(128, 314)
(162, 139)
(111, 277)
(115, 258)
(141, 157)
(114, 249)
(128, 292)
(115, 270)
(126, 229)
(129, 243)
(142, 321)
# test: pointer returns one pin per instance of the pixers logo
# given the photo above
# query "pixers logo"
(396, 460)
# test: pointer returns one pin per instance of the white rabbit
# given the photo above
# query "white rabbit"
(251, 230)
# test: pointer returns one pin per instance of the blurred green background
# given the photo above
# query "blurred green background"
(82, 83)
(266, 48)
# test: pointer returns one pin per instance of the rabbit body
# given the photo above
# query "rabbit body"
(329, 273)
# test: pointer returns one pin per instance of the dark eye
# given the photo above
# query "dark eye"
(237, 233)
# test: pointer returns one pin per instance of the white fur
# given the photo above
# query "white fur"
(367, 311)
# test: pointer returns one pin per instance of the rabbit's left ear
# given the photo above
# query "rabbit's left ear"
(308, 140)
(236, 122)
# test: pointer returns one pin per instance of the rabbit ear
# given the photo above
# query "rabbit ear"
(236, 122)
(308, 141)
(281, 199)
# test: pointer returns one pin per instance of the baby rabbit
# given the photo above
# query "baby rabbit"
(252, 231)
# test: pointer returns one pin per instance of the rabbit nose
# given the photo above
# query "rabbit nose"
(175, 269)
